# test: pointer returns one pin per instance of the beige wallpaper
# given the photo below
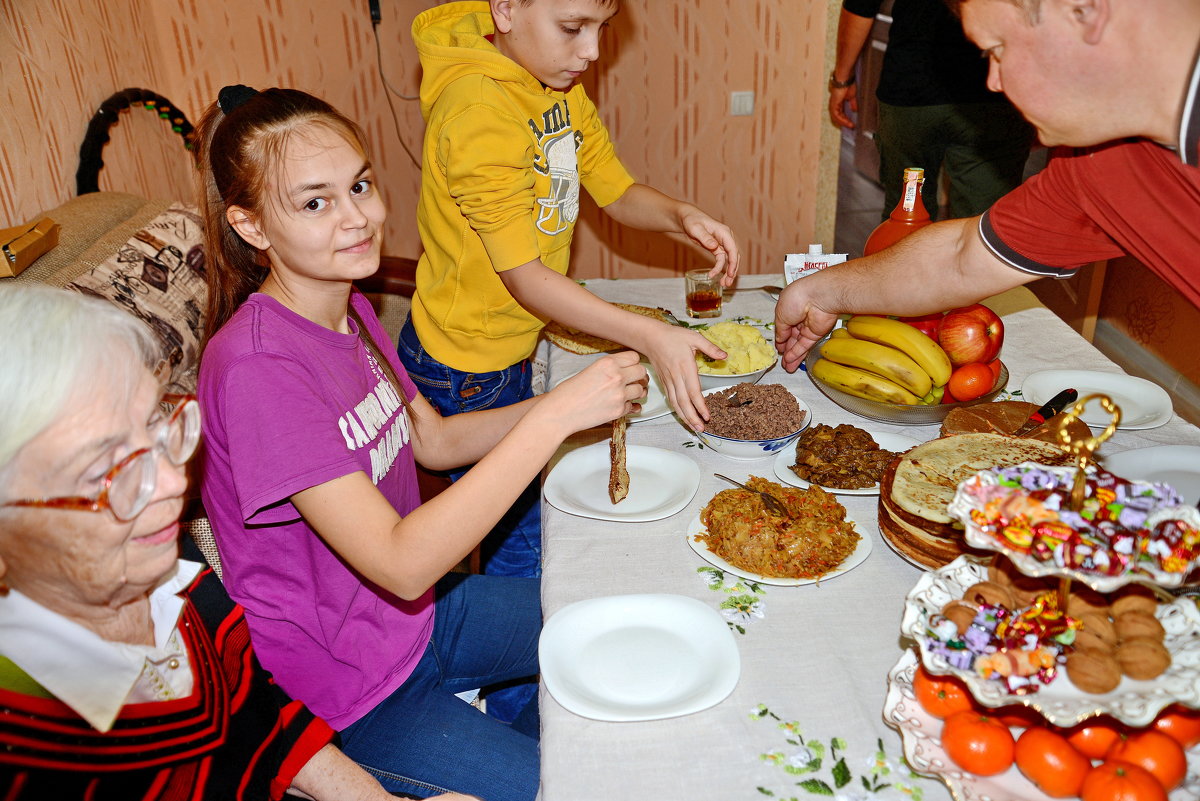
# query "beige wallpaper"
(663, 85)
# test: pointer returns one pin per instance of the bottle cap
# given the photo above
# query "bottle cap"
(914, 174)
(815, 250)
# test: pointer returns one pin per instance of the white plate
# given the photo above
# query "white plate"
(1177, 465)
(786, 457)
(1143, 403)
(661, 483)
(638, 657)
(852, 561)
(921, 737)
(654, 405)
(1135, 703)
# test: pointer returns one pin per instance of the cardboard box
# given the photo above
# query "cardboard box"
(23, 244)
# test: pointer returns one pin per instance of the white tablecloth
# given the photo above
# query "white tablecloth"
(814, 659)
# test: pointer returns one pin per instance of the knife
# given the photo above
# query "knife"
(1048, 410)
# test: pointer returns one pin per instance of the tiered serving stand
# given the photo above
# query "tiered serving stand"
(1060, 703)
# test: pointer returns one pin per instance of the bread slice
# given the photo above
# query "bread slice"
(928, 475)
(618, 473)
(573, 340)
(1005, 417)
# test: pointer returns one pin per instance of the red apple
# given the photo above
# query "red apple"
(926, 323)
(971, 334)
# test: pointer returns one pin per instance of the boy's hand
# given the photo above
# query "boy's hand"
(672, 352)
(607, 389)
(716, 238)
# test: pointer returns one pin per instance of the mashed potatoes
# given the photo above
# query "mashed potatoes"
(748, 350)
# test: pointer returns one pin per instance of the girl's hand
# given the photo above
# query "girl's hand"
(609, 388)
(672, 351)
(714, 237)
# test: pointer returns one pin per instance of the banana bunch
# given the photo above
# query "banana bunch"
(884, 360)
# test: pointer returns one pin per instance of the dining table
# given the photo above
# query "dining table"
(804, 719)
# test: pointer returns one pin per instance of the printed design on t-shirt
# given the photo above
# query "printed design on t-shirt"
(361, 426)
(555, 156)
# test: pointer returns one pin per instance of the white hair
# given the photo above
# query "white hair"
(54, 344)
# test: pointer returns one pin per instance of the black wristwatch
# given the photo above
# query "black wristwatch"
(834, 83)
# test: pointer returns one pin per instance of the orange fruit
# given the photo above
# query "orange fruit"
(1016, 716)
(994, 366)
(978, 743)
(940, 696)
(1095, 737)
(1050, 762)
(1154, 751)
(1180, 724)
(1120, 781)
(970, 381)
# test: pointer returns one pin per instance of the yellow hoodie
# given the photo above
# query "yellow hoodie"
(503, 160)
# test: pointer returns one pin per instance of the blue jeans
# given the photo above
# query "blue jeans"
(422, 740)
(514, 546)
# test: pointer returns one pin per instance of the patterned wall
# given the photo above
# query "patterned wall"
(663, 86)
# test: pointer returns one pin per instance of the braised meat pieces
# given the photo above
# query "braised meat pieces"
(844, 457)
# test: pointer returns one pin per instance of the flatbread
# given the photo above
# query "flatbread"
(618, 474)
(575, 341)
(928, 475)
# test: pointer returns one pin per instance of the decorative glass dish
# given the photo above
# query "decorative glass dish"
(921, 739)
(1125, 531)
(1135, 703)
(897, 413)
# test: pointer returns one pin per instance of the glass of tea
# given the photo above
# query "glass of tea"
(703, 293)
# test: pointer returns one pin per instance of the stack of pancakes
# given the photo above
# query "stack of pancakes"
(918, 486)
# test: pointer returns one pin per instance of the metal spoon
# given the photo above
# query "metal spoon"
(773, 504)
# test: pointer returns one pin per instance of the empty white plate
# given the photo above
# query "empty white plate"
(638, 657)
(1177, 465)
(1143, 403)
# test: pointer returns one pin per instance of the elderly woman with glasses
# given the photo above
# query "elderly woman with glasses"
(125, 671)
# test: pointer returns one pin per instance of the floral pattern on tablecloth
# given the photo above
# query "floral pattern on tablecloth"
(827, 773)
(744, 601)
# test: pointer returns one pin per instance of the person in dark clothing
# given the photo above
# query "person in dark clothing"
(935, 108)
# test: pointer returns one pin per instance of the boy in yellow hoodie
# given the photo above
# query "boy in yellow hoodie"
(510, 138)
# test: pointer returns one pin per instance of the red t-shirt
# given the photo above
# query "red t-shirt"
(1131, 196)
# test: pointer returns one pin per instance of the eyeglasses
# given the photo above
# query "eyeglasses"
(129, 486)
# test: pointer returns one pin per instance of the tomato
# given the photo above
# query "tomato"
(1156, 752)
(1052, 763)
(971, 381)
(994, 366)
(1180, 724)
(978, 743)
(1094, 738)
(940, 696)
(1120, 781)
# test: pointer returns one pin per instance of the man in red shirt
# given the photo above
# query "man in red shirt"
(1116, 79)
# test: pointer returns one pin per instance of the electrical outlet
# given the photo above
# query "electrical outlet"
(741, 104)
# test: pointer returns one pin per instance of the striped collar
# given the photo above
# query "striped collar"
(1189, 124)
(86, 672)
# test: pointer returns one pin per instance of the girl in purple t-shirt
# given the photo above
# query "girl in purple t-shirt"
(309, 479)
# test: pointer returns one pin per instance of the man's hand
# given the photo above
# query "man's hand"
(799, 324)
(838, 98)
